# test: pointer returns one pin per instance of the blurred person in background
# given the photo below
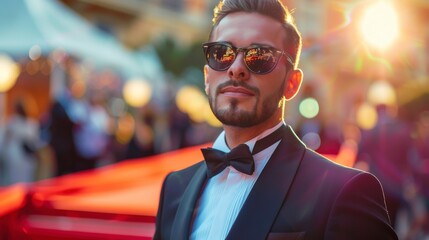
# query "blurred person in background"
(386, 149)
(91, 133)
(19, 145)
(259, 181)
(61, 135)
(142, 143)
(179, 125)
(61, 122)
(418, 194)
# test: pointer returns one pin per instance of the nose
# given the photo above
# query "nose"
(238, 69)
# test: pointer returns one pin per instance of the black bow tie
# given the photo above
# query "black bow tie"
(239, 157)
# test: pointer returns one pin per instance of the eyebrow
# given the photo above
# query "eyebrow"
(251, 44)
(260, 44)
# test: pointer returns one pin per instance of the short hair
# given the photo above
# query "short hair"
(271, 8)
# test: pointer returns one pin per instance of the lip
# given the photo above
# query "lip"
(236, 91)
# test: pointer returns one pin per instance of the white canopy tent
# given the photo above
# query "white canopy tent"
(51, 25)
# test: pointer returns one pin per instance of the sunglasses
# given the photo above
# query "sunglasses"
(258, 59)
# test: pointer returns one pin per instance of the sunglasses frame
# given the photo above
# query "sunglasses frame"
(244, 50)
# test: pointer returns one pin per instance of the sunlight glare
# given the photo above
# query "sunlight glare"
(379, 25)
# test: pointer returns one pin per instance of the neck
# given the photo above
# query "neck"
(238, 135)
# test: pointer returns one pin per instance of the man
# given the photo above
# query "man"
(286, 191)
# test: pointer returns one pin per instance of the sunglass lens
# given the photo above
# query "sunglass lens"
(261, 60)
(220, 56)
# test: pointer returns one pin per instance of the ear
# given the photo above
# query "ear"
(206, 83)
(293, 83)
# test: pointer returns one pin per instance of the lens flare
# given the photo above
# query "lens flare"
(379, 25)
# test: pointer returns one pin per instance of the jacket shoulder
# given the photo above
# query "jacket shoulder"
(182, 177)
(329, 166)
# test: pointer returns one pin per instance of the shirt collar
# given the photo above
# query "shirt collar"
(220, 142)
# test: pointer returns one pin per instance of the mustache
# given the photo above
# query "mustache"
(242, 84)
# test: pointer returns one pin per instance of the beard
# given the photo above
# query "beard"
(234, 116)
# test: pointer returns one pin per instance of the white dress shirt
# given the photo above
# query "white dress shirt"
(225, 193)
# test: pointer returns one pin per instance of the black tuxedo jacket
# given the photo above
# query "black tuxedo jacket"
(299, 195)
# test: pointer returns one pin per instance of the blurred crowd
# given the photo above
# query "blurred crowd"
(87, 126)
(396, 151)
(79, 133)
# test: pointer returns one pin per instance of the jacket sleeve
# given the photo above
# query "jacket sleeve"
(359, 211)
(158, 226)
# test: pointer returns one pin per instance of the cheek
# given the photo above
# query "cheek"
(211, 82)
(206, 88)
(272, 84)
(210, 88)
(206, 79)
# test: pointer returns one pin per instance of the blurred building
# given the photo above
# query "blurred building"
(139, 22)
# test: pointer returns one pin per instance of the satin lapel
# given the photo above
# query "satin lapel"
(269, 192)
(182, 221)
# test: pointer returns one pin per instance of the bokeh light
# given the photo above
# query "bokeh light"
(35, 52)
(78, 88)
(190, 100)
(126, 127)
(210, 117)
(381, 93)
(137, 92)
(32, 67)
(379, 25)
(366, 116)
(9, 72)
(309, 108)
(312, 140)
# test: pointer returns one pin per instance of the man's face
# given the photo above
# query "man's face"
(237, 96)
